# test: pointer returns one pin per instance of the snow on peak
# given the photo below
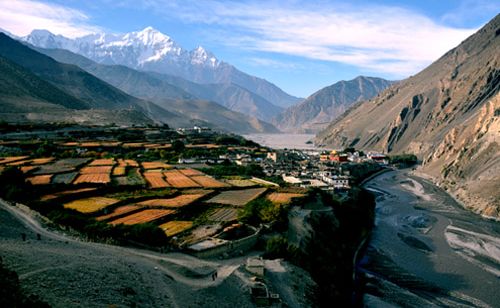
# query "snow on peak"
(201, 56)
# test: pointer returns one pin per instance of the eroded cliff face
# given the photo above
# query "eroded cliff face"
(448, 115)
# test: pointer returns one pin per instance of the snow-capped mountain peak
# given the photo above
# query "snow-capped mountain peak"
(200, 56)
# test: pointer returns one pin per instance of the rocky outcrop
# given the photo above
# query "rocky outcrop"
(448, 115)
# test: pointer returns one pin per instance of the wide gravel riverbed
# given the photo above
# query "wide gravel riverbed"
(426, 250)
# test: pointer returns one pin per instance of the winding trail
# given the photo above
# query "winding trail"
(129, 274)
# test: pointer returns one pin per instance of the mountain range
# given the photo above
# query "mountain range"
(37, 87)
(448, 114)
(322, 107)
(153, 51)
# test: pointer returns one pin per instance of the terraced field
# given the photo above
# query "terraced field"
(179, 180)
(93, 178)
(237, 197)
(144, 216)
(175, 202)
(40, 179)
(224, 215)
(155, 180)
(283, 198)
(155, 165)
(175, 227)
(90, 205)
(119, 211)
(208, 182)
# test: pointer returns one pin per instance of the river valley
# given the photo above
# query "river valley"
(426, 250)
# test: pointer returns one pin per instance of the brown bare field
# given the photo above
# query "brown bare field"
(40, 179)
(10, 159)
(90, 144)
(191, 172)
(26, 169)
(131, 163)
(102, 162)
(237, 197)
(178, 201)
(241, 183)
(20, 162)
(66, 193)
(42, 161)
(152, 145)
(90, 205)
(122, 210)
(155, 165)
(282, 198)
(155, 180)
(224, 215)
(175, 227)
(141, 217)
(70, 144)
(179, 180)
(96, 169)
(95, 178)
(203, 146)
(117, 171)
(133, 145)
(208, 182)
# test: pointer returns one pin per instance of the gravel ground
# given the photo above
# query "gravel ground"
(66, 272)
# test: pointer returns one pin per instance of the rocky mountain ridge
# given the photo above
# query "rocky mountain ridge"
(448, 114)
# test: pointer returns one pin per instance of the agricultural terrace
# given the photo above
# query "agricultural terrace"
(175, 202)
(155, 179)
(175, 227)
(208, 182)
(224, 215)
(90, 205)
(237, 197)
(119, 211)
(283, 198)
(141, 217)
(177, 179)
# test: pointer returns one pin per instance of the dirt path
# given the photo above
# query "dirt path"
(64, 270)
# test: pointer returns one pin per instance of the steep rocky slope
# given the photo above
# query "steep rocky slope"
(322, 107)
(448, 114)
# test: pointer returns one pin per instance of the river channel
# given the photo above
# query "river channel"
(426, 250)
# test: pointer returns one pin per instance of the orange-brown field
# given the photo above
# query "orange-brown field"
(191, 172)
(40, 179)
(133, 145)
(102, 162)
(122, 210)
(208, 182)
(96, 169)
(66, 192)
(10, 159)
(90, 144)
(154, 165)
(282, 198)
(175, 227)
(237, 197)
(42, 161)
(90, 205)
(118, 171)
(178, 201)
(155, 180)
(131, 163)
(26, 169)
(95, 178)
(179, 180)
(141, 217)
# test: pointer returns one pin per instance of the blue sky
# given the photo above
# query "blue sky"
(301, 46)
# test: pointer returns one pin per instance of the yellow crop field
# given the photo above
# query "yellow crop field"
(237, 197)
(96, 169)
(208, 182)
(102, 162)
(172, 228)
(40, 179)
(90, 205)
(155, 180)
(122, 210)
(191, 172)
(178, 201)
(155, 165)
(117, 171)
(282, 198)
(241, 183)
(133, 145)
(141, 217)
(94, 178)
(179, 180)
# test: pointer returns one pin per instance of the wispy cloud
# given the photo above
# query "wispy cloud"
(374, 38)
(22, 16)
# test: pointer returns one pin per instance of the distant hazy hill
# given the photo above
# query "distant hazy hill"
(154, 86)
(151, 50)
(319, 109)
(158, 89)
(448, 114)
